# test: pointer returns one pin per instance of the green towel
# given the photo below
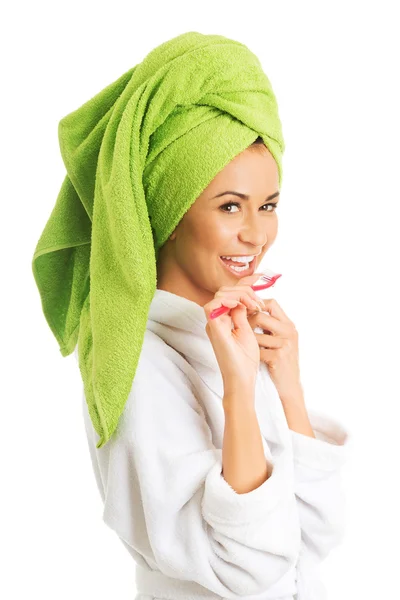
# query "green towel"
(137, 155)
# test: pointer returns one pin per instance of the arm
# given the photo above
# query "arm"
(166, 496)
(320, 448)
(296, 414)
(245, 467)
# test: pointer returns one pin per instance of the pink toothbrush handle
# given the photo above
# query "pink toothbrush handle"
(224, 309)
(219, 311)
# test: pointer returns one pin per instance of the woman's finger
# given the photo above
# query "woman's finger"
(269, 341)
(244, 290)
(251, 304)
(232, 302)
(270, 324)
(275, 310)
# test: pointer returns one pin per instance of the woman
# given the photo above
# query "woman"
(213, 474)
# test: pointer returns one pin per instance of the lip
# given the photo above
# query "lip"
(250, 270)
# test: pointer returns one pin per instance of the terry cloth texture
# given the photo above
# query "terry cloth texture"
(191, 535)
(137, 156)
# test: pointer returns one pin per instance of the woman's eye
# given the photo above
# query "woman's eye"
(273, 204)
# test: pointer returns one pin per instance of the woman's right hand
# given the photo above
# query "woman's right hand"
(236, 349)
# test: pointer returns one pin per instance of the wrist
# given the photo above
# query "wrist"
(243, 385)
(293, 397)
(239, 399)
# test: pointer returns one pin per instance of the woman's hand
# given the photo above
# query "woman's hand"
(231, 336)
(279, 348)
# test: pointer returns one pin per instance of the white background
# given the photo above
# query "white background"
(334, 68)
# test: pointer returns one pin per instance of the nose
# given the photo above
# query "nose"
(254, 231)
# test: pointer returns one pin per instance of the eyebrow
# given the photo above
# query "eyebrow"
(245, 196)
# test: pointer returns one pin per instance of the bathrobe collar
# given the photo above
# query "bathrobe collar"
(181, 324)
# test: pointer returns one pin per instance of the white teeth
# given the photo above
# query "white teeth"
(238, 269)
(239, 258)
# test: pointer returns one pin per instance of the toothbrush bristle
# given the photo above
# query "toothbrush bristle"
(267, 279)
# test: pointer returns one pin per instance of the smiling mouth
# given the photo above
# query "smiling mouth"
(238, 269)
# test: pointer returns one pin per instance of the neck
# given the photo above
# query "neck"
(171, 278)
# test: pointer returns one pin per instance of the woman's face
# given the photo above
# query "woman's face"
(189, 263)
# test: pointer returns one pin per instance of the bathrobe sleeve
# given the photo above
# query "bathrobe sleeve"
(318, 487)
(165, 495)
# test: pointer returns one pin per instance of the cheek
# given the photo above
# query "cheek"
(212, 237)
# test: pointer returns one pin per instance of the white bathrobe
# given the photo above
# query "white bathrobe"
(191, 535)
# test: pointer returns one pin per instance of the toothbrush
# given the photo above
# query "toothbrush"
(268, 278)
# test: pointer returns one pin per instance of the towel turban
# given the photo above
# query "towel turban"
(137, 155)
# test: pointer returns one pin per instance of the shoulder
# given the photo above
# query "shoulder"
(159, 358)
(164, 397)
(162, 376)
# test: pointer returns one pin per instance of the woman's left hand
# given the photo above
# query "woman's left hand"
(279, 348)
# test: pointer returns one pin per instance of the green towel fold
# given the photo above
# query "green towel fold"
(137, 155)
